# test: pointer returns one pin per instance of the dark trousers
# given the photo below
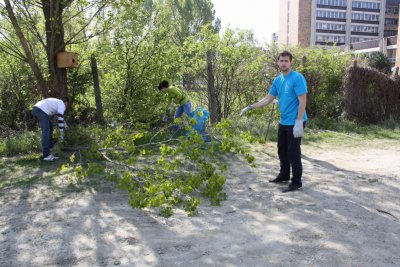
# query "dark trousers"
(47, 130)
(289, 154)
(185, 108)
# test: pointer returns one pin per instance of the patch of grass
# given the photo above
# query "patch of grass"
(8, 177)
(21, 143)
(257, 125)
(27, 170)
(26, 182)
(327, 130)
(80, 136)
(385, 130)
(32, 159)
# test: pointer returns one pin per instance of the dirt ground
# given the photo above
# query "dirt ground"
(347, 214)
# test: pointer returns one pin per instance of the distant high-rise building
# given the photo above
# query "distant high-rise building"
(397, 46)
(391, 17)
(328, 22)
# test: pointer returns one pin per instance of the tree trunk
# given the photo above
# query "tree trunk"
(52, 10)
(97, 93)
(212, 100)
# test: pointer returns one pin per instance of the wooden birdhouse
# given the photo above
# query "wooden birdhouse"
(67, 60)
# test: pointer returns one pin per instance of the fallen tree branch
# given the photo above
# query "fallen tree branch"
(162, 129)
(157, 143)
(124, 165)
(386, 212)
(118, 148)
(116, 162)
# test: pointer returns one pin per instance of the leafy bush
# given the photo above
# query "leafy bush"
(17, 89)
(379, 61)
(324, 70)
(24, 142)
(256, 123)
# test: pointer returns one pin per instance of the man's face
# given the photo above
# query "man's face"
(164, 90)
(284, 63)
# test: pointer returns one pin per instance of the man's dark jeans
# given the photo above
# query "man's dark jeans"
(47, 130)
(289, 154)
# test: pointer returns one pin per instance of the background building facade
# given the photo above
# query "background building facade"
(328, 22)
(391, 18)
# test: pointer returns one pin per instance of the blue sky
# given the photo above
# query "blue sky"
(260, 16)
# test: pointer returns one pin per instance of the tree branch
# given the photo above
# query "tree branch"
(32, 25)
(124, 165)
(85, 26)
(86, 38)
(24, 43)
(12, 47)
(78, 13)
(16, 55)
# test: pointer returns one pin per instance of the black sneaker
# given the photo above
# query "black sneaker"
(279, 180)
(291, 188)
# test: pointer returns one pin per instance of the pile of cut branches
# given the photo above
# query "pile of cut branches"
(161, 169)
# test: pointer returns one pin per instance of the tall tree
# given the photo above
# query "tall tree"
(43, 22)
(140, 53)
(189, 16)
(230, 68)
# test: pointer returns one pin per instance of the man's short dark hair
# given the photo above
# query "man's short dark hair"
(286, 54)
(65, 99)
(163, 84)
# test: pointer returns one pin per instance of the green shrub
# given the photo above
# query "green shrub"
(379, 61)
(24, 142)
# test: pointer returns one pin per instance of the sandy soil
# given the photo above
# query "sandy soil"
(347, 214)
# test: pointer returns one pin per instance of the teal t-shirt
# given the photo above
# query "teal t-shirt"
(287, 89)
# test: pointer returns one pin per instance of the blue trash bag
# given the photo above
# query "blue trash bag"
(201, 115)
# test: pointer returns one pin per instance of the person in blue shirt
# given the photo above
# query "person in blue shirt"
(290, 88)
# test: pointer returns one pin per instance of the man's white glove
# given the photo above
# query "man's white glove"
(61, 137)
(275, 101)
(165, 118)
(245, 110)
(298, 129)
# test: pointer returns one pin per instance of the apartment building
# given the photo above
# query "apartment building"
(391, 18)
(397, 61)
(328, 22)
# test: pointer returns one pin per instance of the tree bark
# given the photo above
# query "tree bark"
(212, 100)
(97, 93)
(52, 11)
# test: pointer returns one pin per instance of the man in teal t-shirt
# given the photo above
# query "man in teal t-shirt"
(290, 88)
(175, 95)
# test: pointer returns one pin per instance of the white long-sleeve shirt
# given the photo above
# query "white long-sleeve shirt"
(53, 106)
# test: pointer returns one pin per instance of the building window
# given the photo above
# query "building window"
(391, 21)
(332, 2)
(390, 33)
(331, 14)
(366, 5)
(330, 38)
(392, 10)
(362, 28)
(364, 16)
(330, 26)
(360, 39)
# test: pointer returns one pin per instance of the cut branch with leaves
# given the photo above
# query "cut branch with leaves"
(164, 176)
